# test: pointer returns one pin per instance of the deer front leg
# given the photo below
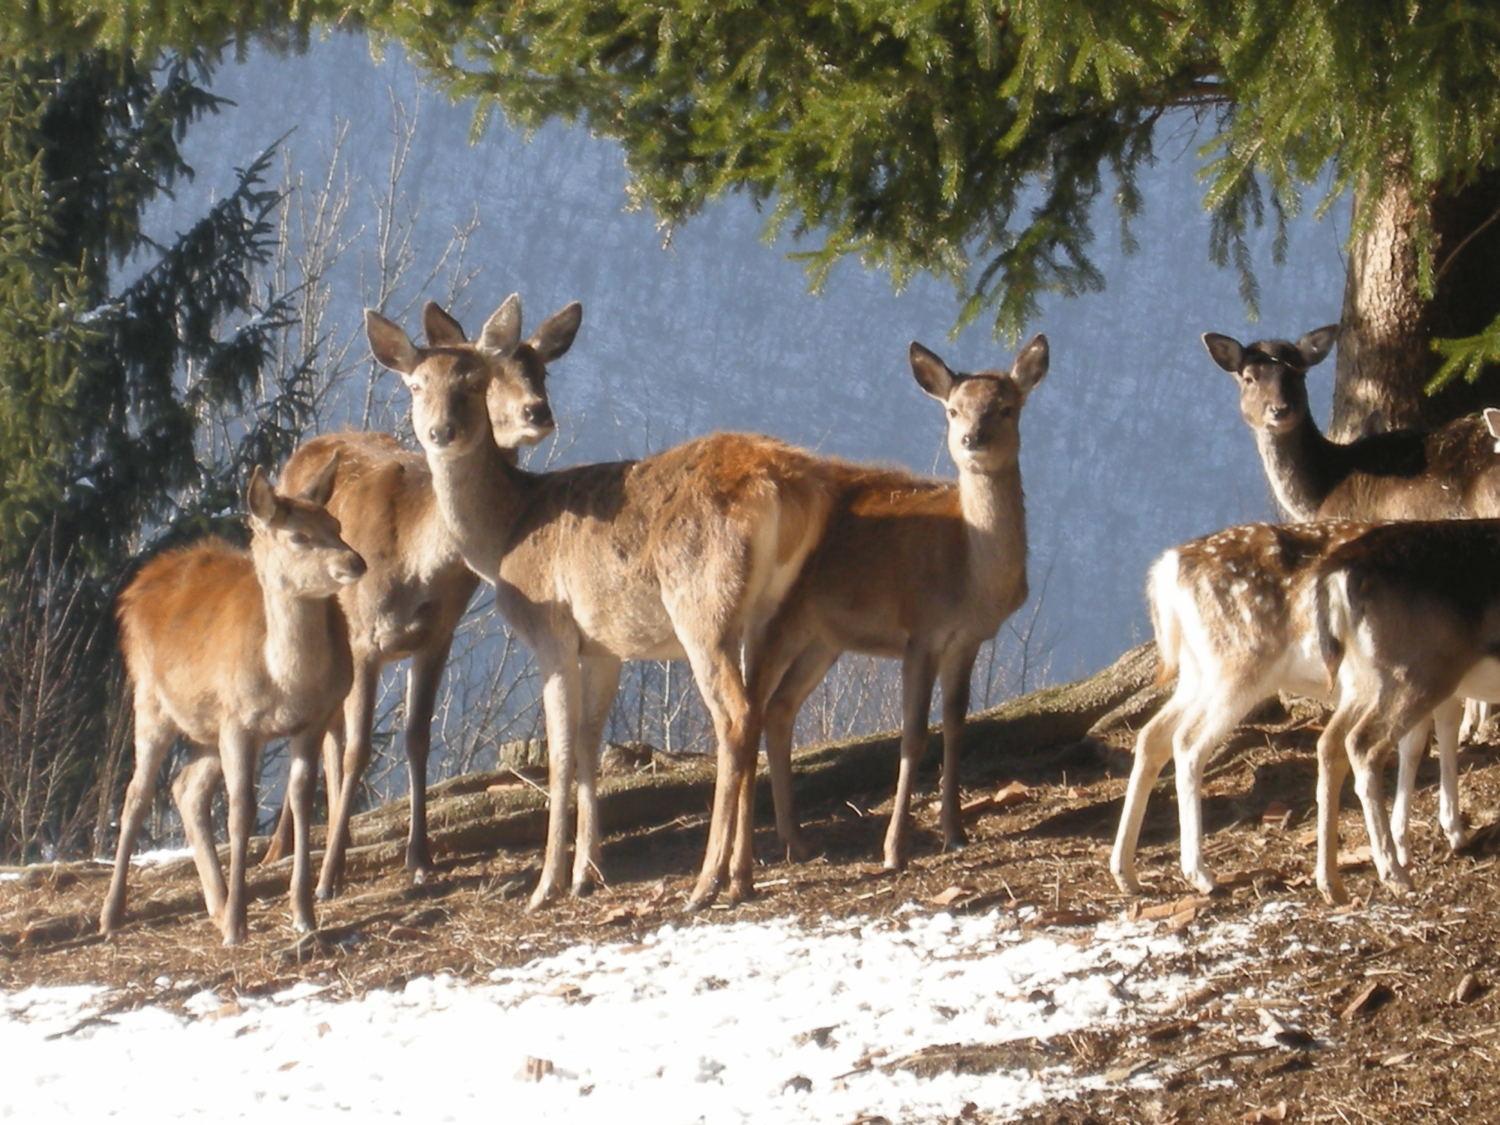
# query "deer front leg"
(299, 783)
(955, 676)
(560, 702)
(358, 718)
(193, 792)
(600, 680)
(422, 680)
(1445, 720)
(237, 752)
(917, 675)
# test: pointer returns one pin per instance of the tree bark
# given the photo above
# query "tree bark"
(1385, 355)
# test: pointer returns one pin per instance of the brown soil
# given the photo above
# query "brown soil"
(1424, 1045)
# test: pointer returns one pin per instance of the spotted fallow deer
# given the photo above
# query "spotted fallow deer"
(924, 571)
(1235, 623)
(683, 554)
(231, 649)
(1408, 622)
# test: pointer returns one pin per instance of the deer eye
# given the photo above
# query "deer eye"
(299, 539)
(952, 412)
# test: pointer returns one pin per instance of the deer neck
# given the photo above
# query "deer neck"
(299, 633)
(994, 511)
(1297, 464)
(479, 495)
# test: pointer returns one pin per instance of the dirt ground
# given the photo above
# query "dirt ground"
(1382, 1011)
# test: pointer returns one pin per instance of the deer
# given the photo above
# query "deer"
(1234, 622)
(410, 602)
(230, 649)
(1408, 624)
(1450, 473)
(920, 570)
(683, 554)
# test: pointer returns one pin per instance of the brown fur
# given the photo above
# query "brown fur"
(921, 570)
(231, 649)
(407, 605)
(685, 553)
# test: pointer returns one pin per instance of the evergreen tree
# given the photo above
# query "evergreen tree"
(118, 357)
(972, 139)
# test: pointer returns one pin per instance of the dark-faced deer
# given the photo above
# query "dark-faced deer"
(1452, 472)
(683, 554)
(1234, 622)
(919, 570)
(408, 605)
(231, 649)
(1408, 621)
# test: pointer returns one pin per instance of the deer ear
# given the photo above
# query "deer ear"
(320, 489)
(555, 336)
(1031, 364)
(391, 346)
(261, 498)
(442, 330)
(502, 332)
(1316, 345)
(932, 374)
(1226, 351)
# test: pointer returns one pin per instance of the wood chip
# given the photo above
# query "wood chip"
(1276, 815)
(1370, 998)
(535, 1069)
(1467, 989)
(952, 894)
(1266, 1114)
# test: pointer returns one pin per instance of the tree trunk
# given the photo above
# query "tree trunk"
(1385, 355)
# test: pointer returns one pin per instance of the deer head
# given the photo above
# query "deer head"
(984, 408)
(1272, 375)
(296, 542)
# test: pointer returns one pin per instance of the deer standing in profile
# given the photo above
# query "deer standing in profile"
(231, 649)
(683, 554)
(1234, 622)
(408, 605)
(1408, 623)
(919, 570)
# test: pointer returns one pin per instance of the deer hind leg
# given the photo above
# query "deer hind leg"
(1367, 745)
(1153, 749)
(804, 674)
(1192, 744)
(154, 733)
(193, 791)
(600, 680)
(422, 680)
(918, 671)
(1450, 813)
(237, 754)
(1409, 754)
(954, 674)
(561, 703)
(1333, 766)
(356, 721)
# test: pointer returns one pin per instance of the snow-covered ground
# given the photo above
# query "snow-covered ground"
(767, 1021)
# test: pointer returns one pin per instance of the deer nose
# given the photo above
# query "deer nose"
(537, 413)
(357, 565)
(971, 440)
(441, 434)
(1279, 412)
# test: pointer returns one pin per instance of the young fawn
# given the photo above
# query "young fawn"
(408, 605)
(683, 554)
(231, 649)
(919, 570)
(1408, 623)
(1234, 622)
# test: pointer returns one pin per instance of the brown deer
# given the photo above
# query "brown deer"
(408, 605)
(1408, 622)
(231, 649)
(1234, 623)
(1450, 473)
(683, 554)
(921, 570)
